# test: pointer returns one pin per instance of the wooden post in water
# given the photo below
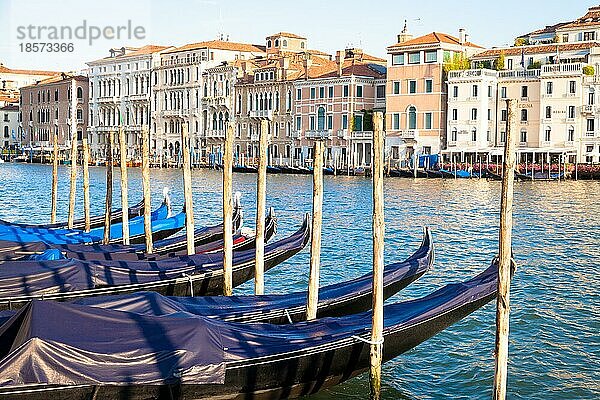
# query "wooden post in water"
(378, 238)
(109, 188)
(506, 221)
(73, 178)
(146, 187)
(86, 183)
(261, 200)
(54, 178)
(228, 212)
(187, 189)
(124, 190)
(315, 242)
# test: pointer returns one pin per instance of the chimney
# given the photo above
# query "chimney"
(307, 64)
(462, 36)
(404, 36)
(339, 60)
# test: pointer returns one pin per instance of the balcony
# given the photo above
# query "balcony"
(175, 113)
(318, 134)
(215, 133)
(139, 97)
(451, 143)
(545, 143)
(528, 73)
(368, 135)
(79, 100)
(409, 134)
(587, 109)
(522, 144)
(296, 134)
(342, 133)
(569, 143)
(562, 69)
(261, 114)
(254, 137)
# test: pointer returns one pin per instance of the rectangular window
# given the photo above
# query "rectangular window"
(313, 93)
(396, 87)
(589, 35)
(524, 92)
(565, 38)
(298, 94)
(590, 125)
(547, 135)
(454, 114)
(473, 114)
(503, 115)
(330, 122)
(431, 56)
(548, 112)
(524, 114)
(359, 91)
(571, 112)
(398, 59)
(503, 92)
(572, 87)
(396, 121)
(523, 138)
(509, 63)
(489, 114)
(549, 87)
(475, 90)
(455, 91)
(346, 90)
(312, 122)
(298, 123)
(380, 92)
(591, 98)
(330, 92)
(428, 120)
(428, 85)
(502, 137)
(321, 92)
(412, 87)
(414, 58)
(345, 121)
(489, 91)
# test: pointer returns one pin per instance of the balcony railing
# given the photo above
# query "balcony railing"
(545, 143)
(409, 134)
(562, 69)
(361, 135)
(296, 134)
(262, 114)
(215, 133)
(587, 109)
(318, 134)
(528, 73)
(342, 133)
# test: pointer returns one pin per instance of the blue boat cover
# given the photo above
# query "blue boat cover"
(122, 348)
(65, 236)
(50, 254)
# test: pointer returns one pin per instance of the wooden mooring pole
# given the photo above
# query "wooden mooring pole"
(261, 200)
(146, 188)
(54, 178)
(378, 239)
(504, 266)
(86, 183)
(228, 212)
(73, 189)
(124, 189)
(315, 241)
(187, 190)
(109, 188)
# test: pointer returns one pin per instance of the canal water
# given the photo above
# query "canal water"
(555, 300)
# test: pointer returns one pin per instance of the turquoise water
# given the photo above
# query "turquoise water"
(555, 321)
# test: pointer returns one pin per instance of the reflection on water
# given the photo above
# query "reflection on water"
(554, 343)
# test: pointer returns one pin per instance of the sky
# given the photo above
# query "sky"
(328, 25)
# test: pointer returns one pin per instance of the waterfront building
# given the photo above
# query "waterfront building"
(557, 90)
(11, 80)
(337, 105)
(56, 104)
(583, 29)
(266, 92)
(183, 95)
(122, 93)
(9, 127)
(416, 97)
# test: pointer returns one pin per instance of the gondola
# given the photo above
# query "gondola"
(401, 173)
(163, 250)
(539, 176)
(163, 226)
(432, 173)
(117, 354)
(244, 169)
(273, 170)
(460, 174)
(335, 300)
(200, 274)
(95, 221)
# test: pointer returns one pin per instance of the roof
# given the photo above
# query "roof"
(547, 29)
(58, 78)
(135, 51)
(432, 38)
(10, 107)
(9, 98)
(288, 35)
(537, 49)
(369, 70)
(592, 17)
(220, 45)
(7, 70)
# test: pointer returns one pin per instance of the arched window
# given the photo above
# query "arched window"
(270, 106)
(284, 43)
(276, 101)
(250, 103)
(214, 121)
(205, 90)
(412, 117)
(269, 44)
(220, 121)
(474, 135)
(571, 133)
(454, 136)
(288, 103)
(226, 88)
(214, 89)
(239, 103)
(547, 134)
(226, 116)
(276, 42)
(321, 118)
